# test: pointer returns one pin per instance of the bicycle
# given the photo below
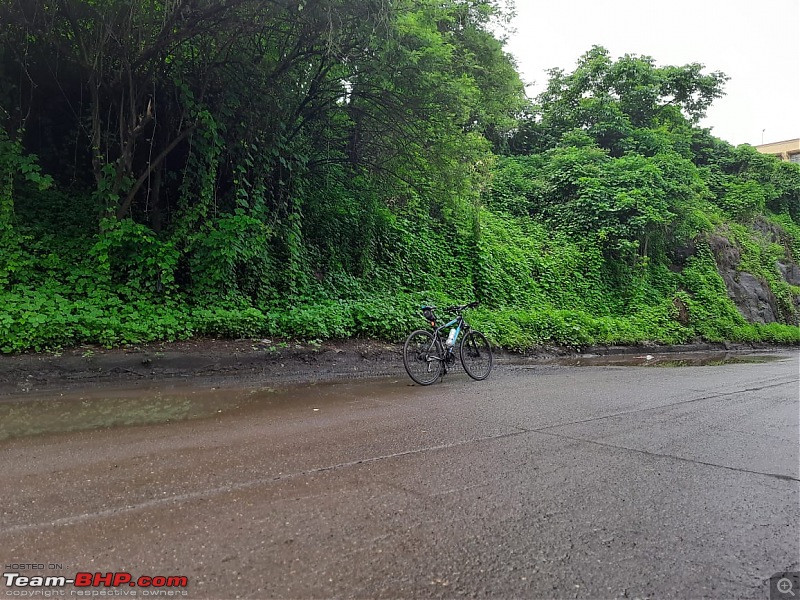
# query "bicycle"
(427, 354)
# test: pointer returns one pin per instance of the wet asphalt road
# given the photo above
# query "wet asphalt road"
(542, 482)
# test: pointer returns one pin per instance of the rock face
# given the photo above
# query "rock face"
(751, 295)
(790, 272)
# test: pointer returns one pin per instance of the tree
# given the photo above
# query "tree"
(612, 100)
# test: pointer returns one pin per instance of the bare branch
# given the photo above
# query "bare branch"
(123, 209)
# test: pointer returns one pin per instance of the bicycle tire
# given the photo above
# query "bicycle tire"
(422, 355)
(476, 355)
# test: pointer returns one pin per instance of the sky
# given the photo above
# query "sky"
(754, 42)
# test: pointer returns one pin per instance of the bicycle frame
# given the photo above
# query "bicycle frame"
(460, 324)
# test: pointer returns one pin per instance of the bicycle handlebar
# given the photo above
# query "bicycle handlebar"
(462, 307)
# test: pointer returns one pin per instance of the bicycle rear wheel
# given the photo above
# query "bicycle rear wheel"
(422, 354)
(476, 355)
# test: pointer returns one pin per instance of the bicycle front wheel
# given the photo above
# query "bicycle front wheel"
(476, 355)
(422, 354)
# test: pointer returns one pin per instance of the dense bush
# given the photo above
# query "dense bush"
(329, 192)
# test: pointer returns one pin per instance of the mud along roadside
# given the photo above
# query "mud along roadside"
(231, 362)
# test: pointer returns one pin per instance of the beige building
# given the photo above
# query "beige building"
(788, 150)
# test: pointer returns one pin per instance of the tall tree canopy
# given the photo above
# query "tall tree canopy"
(250, 93)
(617, 101)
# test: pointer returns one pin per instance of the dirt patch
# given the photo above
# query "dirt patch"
(229, 362)
(210, 359)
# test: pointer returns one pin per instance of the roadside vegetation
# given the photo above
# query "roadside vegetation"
(320, 168)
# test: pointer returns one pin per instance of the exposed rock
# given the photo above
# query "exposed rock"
(682, 311)
(726, 254)
(769, 230)
(752, 296)
(790, 272)
(679, 254)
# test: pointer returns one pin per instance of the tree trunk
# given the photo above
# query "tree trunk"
(156, 217)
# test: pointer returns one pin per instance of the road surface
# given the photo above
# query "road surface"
(542, 482)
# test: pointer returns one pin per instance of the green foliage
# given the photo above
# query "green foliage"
(711, 312)
(16, 166)
(760, 253)
(231, 259)
(746, 182)
(46, 318)
(524, 329)
(523, 264)
(151, 274)
(743, 200)
(627, 204)
(619, 104)
(791, 234)
(249, 169)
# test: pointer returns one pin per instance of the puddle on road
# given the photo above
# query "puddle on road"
(94, 408)
(688, 359)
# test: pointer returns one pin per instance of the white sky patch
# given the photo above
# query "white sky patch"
(754, 42)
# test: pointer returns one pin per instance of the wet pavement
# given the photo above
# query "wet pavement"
(671, 359)
(544, 481)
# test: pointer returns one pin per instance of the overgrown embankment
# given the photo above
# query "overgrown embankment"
(254, 170)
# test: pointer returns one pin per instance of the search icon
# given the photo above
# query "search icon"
(785, 586)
